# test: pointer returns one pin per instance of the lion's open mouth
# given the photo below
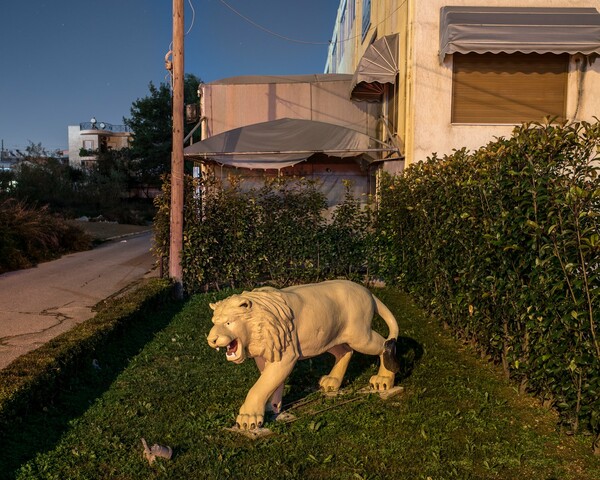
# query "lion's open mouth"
(232, 349)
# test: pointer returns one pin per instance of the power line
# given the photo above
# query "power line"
(271, 32)
(306, 42)
(193, 17)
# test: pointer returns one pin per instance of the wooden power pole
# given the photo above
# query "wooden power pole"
(176, 239)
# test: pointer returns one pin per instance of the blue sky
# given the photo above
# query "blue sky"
(64, 61)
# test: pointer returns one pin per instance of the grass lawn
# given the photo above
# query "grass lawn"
(457, 417)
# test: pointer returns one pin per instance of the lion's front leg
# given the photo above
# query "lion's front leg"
(252, 412)
(275, 402)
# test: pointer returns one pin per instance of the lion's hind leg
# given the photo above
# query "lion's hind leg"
(375, 345)
(333, 381)
(384, 380)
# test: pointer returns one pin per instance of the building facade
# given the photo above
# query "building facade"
(458, 74)
(88, 139)
(306, 126)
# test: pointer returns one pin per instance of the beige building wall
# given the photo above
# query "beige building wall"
(425, 85)
(227, 106)
(431, 102)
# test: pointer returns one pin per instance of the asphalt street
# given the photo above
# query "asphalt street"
(40, 303)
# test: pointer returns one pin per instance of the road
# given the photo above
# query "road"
(40, 303)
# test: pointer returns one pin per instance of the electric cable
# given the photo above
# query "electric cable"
(271, 32)
(306, 42)
(193, 17)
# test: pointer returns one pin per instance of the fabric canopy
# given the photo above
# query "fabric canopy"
(281, 79)
(378, 66)
(513, 29)
(280, 143)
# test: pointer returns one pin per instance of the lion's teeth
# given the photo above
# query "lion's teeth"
(217, 349)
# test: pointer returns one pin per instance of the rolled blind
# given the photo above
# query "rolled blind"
(508, 88)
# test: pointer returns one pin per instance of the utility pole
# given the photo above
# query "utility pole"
(176, 239)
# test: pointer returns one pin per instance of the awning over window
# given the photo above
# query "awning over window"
(378, 66)
(513, 29)
(281, 143)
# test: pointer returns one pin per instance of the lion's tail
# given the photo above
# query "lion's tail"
(385, 313)
(389, 356)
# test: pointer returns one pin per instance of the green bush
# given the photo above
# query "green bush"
(32, 235)
(236, 237)
(34, 378)
(503, 245)
(107, 188)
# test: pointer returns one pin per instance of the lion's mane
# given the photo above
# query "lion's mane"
(270, 321)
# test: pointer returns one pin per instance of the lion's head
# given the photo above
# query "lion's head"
(252, 324)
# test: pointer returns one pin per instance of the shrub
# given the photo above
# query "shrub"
(104, 189)
(238, 237)
(32, 235)
(503, 245)
(35, 378)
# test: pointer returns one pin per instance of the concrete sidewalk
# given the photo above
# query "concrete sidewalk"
(40, 303)
(104, 231)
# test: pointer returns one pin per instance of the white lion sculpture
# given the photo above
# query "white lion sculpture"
(279, 327)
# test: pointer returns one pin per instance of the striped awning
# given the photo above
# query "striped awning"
(378, 66)
(517, 29)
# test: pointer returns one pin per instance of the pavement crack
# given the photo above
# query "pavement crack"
(59, 316)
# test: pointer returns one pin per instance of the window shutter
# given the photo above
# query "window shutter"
(508, 88)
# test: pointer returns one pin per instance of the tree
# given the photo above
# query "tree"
(151, 122)
(37, 153)
(7, 179)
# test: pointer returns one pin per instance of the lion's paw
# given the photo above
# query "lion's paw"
(381, 382)
(330, 384)
(249, 422)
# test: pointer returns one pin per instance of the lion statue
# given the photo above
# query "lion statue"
(279, 327)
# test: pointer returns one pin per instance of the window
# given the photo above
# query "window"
(88, 144)
(342, 33)
(508, 88)
(334, 55)
(366, 18)
(345, 27)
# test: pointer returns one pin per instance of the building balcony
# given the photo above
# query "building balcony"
(96, 128)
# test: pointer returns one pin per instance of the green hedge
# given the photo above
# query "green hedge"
(237, 237)
(33, 379)
(503, 245)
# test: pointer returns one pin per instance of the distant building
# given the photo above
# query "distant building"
(8, 159)
(88, 139)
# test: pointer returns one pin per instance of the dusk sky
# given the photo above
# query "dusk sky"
(64, 61)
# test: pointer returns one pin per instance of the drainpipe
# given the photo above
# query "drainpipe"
(409, 140)
(581, 68)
